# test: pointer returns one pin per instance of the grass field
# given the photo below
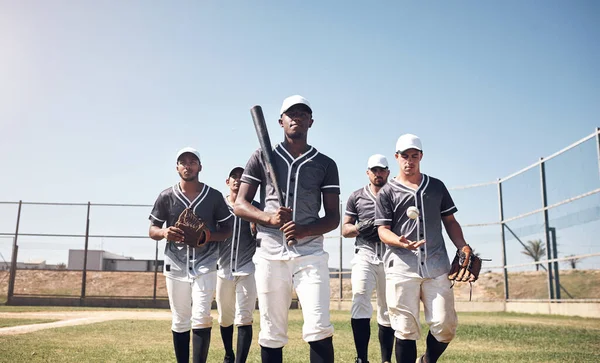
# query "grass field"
(482, 337)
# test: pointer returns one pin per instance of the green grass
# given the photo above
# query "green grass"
(482, 337)
(6, 322)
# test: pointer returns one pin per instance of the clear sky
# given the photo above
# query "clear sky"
(97, 97)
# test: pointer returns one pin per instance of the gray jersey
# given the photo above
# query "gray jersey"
(302, 180)
(434, 202)
(181, 261)
(235, 253)
(361, 206)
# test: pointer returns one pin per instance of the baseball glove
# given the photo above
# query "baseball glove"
(195, 231)
(465, 266)
(367, 229)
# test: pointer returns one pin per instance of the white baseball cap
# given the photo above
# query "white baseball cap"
(408, 141)
(292, 101)
(377, 161)
(188, 150)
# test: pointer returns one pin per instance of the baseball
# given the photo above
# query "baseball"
(412, 212)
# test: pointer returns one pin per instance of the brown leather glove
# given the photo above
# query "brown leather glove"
(196, 233)
(465, 266)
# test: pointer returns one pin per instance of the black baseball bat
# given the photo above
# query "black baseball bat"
(267, 153)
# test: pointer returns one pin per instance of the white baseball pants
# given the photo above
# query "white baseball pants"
(309, 276)
(236, 300)
(403, 296)
(367, 277)
(190, 302)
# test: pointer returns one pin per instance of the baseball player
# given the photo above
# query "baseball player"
(236, 289)
(367, 265)
(191, 272)
(306, 177)
(416, 261)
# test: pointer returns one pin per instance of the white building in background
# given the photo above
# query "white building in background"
(29, 265)
(99, 260)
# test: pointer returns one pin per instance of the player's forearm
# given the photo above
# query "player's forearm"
(322, 225)
(455, 233)
(388, 237)
(219, 236)
(156, 233)
(349, 230)
(247, 211)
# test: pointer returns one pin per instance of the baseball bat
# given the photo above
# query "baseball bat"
(267, 153)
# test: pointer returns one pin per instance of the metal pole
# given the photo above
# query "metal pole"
(13, 262)
(598, 146)
(340, 276)
(85, 252)
(504, 270)
(155, 271)
(546, 231)
(555, 254)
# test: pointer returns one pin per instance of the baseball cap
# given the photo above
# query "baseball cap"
(408, 141)
(237, 169)
(188, 150)
(377, 161)
(292, 101)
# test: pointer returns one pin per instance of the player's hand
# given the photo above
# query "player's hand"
(293, 231)
(173, 234)
(410, 245)
(280, 217)
(253, 230)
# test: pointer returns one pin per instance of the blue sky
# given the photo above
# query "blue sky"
(97, 97)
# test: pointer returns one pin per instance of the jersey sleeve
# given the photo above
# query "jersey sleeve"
(254, 173)
(447, 208)
(331, 182)
(222, 214)
(384, 208)
(159, 213)
(351, 210)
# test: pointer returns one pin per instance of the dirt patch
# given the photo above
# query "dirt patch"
(71, 318)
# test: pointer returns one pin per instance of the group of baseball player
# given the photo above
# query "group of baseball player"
(241, 252)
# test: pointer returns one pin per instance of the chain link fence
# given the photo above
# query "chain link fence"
(539, 227)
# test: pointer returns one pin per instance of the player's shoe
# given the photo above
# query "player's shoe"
(229, 358)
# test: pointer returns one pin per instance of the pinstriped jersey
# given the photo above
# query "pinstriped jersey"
(302, 180)
(434, 202)
(181, 261)
(361, 206)
(235, 253)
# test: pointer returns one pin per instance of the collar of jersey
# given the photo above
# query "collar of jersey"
(186, 202)
(397, 184)
(289, 159)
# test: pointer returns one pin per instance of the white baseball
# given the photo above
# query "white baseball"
(412, 212)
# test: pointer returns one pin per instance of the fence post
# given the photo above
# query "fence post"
(504, 270)
(85, 253)
(546, 229)
(340, 275)
(555, 263)
(598, 146)
(155, 271)
(13, 262)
